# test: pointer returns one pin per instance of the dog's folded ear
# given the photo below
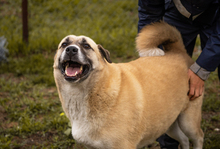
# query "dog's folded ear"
(105, 53)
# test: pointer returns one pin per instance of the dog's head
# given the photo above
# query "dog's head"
(78, 56)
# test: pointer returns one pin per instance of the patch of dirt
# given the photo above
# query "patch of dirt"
(12, 77)
(36, 139)
(3, 116)
(3, 2)
(214, 122)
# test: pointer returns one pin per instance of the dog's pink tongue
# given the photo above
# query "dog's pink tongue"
(72, 71)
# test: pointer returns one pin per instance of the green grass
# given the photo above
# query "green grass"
(50, 21)
(30, 110)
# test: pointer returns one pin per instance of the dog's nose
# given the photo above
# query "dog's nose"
(71, 50)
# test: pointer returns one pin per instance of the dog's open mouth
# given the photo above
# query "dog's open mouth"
(73, 70)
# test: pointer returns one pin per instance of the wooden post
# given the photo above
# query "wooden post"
(25, 20)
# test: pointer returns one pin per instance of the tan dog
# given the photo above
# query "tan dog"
(128, 105)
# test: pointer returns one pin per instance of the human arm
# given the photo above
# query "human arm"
(207, 62)
(209, 59)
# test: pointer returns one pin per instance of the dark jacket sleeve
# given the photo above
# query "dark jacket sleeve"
(150, 11)
(209, 59)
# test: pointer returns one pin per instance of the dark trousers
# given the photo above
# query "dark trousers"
(167, 142)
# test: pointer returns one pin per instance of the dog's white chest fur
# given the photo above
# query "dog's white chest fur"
(76, 106)
(81, 132)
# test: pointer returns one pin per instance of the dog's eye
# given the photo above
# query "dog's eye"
(86, 46)
(64, 44)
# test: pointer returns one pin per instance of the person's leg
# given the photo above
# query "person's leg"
(188, 35)
(167, 142)
(190, 47)
(219, 72)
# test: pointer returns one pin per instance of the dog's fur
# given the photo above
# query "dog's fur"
(129, 105)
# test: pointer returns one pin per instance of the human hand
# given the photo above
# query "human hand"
(196, 85)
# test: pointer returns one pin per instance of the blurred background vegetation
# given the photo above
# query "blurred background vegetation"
(30, 112)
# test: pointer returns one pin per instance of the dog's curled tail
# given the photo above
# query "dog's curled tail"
(156, 34)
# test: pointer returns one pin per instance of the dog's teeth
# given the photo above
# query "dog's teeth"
(66, 68)
(76, 73)
(81, 68)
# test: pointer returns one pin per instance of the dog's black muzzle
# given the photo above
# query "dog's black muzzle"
(72, 67)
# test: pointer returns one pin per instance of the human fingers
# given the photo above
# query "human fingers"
(196, 85)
